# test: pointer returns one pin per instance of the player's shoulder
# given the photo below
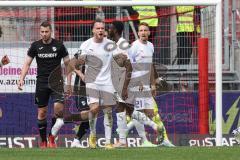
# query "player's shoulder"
(86, 42)
(36, 42)
(106, 40)
(57, 42)
(150, 43)
(135, 44)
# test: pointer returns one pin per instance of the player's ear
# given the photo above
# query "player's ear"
(138, 34)
(149, 33)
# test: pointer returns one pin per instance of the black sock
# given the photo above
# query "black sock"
(42, 126)
(82, 129)
(52, 124)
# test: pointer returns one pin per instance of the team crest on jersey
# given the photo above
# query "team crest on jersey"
(54, 49)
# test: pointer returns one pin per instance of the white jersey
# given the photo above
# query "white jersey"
(119, 73)
(141, 56)
(122, 47)
(98, 61)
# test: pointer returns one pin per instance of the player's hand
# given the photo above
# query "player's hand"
(124, 93)
(5, 60)
(83, 77)
(20, 84)
(68, 91)
(80, 74)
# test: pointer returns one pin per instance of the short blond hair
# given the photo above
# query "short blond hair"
(143, 24)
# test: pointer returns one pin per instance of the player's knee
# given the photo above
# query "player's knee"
(149, 113)
(129, 110)
(42, 114)
(58, 111)
(94, 110)
(120, 108)
(59, 114)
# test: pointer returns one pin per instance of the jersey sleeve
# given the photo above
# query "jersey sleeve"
(32, 52)
(83, 48)
(83, 52)
(152, 48)
(64, 51)
(123, 48)
(132, 53)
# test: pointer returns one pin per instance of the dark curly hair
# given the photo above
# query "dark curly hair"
(119, 26)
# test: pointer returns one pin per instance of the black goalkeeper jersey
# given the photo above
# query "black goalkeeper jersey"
(48, 57)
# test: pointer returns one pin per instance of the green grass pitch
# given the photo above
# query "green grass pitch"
(177, 153)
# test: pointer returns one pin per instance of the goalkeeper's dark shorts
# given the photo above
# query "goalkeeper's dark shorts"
(44, 92)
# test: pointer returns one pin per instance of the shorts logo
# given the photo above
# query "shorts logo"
(54, 49)
(83, 103)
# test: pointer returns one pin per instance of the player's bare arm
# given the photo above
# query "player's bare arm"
(71, 67)
(80, 74)
(128, 76)
(24, 71)
(120, 59)
(153, 80)
(66, 61)
(80, 61)
(123, 61)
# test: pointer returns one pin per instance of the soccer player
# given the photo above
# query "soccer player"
(97, 54)
(119, 74)
(156, 118)
(81, 102)
(4, 61)
(48, 53)
(121, 77)
(83, 108)
(141, 53)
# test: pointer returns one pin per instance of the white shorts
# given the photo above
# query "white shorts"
(144, 103)
(102, 94)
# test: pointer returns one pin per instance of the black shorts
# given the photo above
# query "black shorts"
(44, 92)
(81, 103)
